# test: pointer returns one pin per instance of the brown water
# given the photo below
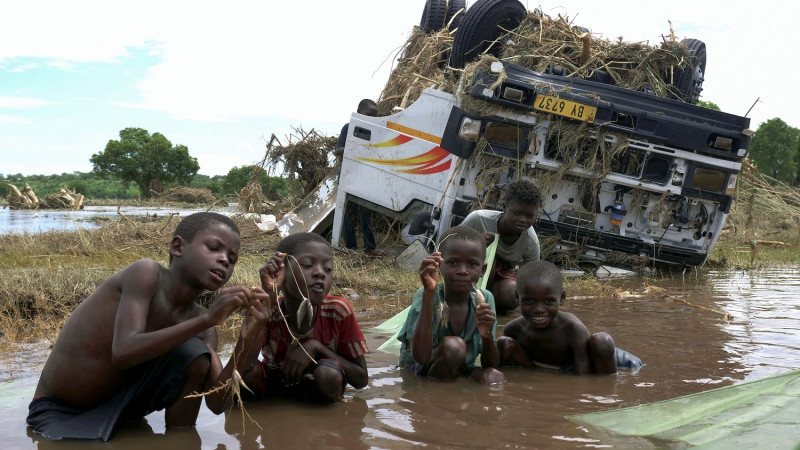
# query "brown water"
(686, 350)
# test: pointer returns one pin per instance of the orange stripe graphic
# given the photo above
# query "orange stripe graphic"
(412, 132)
(395, 141)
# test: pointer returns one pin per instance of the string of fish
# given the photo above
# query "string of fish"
(305, 311)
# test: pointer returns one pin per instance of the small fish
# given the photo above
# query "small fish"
(306, 310)
(238, 383)
(479, 299)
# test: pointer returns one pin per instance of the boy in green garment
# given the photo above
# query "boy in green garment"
(450, 323)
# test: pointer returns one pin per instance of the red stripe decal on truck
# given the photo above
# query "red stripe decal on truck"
(427, 163)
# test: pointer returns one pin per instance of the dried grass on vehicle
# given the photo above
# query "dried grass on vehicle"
(538, 42)
(541, 41)
(420, 65)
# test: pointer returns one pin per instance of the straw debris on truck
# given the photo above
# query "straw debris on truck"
(608, 130)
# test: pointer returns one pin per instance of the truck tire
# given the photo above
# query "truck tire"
(688, 82)
(438, 13)
(482, 24)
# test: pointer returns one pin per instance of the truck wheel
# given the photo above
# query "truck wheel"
(688, 82)
(482, 24)
(438, 13)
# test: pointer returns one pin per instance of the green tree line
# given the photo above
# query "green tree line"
(775, 150)
(94, 187)
(141, 164)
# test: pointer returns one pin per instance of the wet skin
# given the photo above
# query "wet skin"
(461, 265)
(545, 334)
(309, 274)
(140, 313)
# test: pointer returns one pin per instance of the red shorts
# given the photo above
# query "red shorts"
(499, 272)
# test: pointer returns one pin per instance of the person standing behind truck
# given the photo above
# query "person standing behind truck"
(518, 241)
(366, 107)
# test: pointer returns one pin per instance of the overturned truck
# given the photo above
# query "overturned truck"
(622, 171)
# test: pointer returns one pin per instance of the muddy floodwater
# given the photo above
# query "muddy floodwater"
(686, 349)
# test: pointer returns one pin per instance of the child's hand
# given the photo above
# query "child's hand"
(296, 361)
(273, 273)
(429, 271)
(257, 314)
(484, 318)
(229, 300)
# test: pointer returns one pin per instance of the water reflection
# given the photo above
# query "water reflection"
(764, 332)
(683, 338)
(91, 217)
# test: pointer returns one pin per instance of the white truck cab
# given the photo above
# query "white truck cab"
(620, 171)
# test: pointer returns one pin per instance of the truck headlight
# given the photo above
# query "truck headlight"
(731, 185)
(470, 129)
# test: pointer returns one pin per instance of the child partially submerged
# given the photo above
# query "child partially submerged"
(141, 343)
(312, 344)
(450, 323)
(546, 337)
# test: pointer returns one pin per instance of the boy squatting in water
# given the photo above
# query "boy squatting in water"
(328, 332)
(141, 343)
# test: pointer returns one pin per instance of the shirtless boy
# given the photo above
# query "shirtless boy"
(447, 327)
(140, 342)
(518, 241)
(329, 350)
(546, 337)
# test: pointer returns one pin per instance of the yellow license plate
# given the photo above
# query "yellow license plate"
(566, 108)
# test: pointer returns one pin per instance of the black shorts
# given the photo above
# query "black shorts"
(154, 385)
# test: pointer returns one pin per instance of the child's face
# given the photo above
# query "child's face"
(519, 216)
(211, 255)
(463, 265)
(539, 301)
(311, 273)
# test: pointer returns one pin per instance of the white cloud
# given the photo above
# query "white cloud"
(9, 118)
(274, 59)
(23, 102)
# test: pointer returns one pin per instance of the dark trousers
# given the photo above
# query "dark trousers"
(365, 218)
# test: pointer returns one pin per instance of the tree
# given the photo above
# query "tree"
(709, 105)
(238, 177)
(775, 150)
(149, 161)
(79, 186)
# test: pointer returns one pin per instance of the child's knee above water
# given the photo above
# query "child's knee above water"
(132, 319)
(447, 310)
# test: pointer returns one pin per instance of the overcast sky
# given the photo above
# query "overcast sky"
(221, 77)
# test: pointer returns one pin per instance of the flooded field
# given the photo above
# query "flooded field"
(687, 349)
(91, 217)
